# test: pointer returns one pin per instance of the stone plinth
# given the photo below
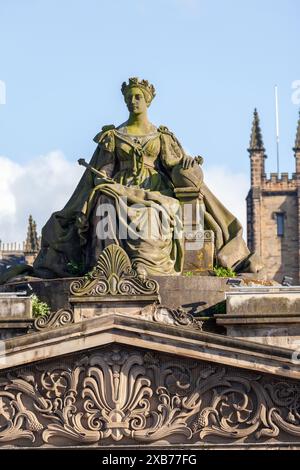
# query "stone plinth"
(113, 286)
(15, 307)
(15, 314)
(264, 315)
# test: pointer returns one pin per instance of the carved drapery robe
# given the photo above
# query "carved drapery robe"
(141, 169)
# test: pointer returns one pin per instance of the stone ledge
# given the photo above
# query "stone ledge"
(253, 319)
(196, 293)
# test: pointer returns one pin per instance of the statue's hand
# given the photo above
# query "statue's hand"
(187, 162)
(102, 178)
(98, 180)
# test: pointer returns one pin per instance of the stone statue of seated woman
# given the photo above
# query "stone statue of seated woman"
(127, 197)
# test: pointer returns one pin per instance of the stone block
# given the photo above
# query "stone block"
(15, 315)
(199, 252)
(13, 306)
(88, 307)
(268, 315)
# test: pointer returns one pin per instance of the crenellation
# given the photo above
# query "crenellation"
(282, 182)
(12, 247)
(274, 178)
(284, 178)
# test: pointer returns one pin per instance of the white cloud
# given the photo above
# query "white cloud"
(44, 184)
(231, 188)
(39, 187)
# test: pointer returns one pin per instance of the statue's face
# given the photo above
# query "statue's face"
(135, 101)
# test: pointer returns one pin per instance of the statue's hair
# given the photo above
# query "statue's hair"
(146, 87)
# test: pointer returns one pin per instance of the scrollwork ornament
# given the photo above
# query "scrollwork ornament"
(54, 320)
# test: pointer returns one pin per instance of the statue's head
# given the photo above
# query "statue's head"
(138, 94)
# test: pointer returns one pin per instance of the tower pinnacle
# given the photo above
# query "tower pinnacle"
(297, 141)
(256, 140)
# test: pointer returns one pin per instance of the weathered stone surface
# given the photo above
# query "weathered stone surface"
(275, 300)
(264, 315)
(272, 333)
(199, 252)
(13, 306)
(90, 307)
(15, 315)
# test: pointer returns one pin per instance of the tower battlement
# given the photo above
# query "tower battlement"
(279, 182)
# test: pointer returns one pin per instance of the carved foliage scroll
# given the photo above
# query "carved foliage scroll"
(114, 275)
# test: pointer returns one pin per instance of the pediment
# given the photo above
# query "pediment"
(187, 341)
(115, 394)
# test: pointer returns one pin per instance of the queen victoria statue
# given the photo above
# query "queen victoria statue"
(127, 196)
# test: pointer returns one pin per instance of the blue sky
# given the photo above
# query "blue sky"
(211, 61)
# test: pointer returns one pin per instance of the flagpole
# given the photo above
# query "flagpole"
(277, 126)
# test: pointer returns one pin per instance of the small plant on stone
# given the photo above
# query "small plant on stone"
(76, 269)
(188, 273)
(219, 271)
(39, 308)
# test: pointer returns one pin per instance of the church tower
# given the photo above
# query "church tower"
(297, 177)
(273, 211)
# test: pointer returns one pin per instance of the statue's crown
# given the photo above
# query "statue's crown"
(135, 82)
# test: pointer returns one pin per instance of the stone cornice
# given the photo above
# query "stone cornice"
(143, 334)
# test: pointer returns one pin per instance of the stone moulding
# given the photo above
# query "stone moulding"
(133, 397)
(113, 275)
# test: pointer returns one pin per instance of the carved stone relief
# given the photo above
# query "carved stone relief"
(118, 395)
(113, 275)
(170, 316)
